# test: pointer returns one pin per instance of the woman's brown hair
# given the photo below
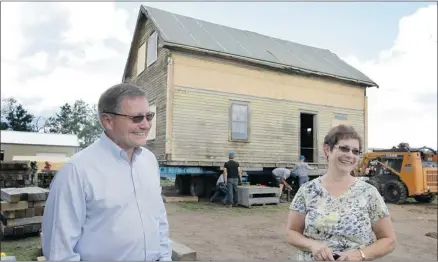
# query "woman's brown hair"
(341, 132)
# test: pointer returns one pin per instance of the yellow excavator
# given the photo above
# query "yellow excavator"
(402, 172)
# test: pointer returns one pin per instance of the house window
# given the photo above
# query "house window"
(141, 57)
(152, 49)
(341, 117)
(239, 121)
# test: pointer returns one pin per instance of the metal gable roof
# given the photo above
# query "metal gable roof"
(185, 32)
(36, 138)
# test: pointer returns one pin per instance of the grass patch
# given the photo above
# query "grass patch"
(167, 182)
(24, 249)
(201, 206)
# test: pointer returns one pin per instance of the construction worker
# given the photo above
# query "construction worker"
(232, 178)
(301, 169)
(280, 175)
(221, 189)
(47, 165)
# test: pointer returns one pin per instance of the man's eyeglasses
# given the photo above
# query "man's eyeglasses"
(136, 119)
(346, 149)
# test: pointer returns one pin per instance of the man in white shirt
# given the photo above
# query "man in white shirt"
(105, 202)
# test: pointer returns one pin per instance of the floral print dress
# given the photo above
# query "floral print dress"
(343, 222)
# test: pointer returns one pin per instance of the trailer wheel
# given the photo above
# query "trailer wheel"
(395, 192)
(182, 185)
(179, 185)
(210, 184)
(197, 186)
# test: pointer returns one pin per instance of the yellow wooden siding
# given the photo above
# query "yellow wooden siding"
(221, 75)
(200, 127)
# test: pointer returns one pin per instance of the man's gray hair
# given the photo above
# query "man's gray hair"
(111, 99)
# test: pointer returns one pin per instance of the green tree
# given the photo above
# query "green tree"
(62, 122)
(79, 119)
(93, 129)
(15, 116)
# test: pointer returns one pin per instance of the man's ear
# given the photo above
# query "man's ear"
(107, 121)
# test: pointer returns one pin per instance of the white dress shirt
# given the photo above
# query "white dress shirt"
(102, 207)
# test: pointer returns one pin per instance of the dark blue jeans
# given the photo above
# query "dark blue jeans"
(231, 198)
(302, 180)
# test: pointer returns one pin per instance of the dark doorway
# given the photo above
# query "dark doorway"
(307, 136)
(2, 155)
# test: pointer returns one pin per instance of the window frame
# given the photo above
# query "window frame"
(150, 61)
(141, 59)
(231, 135)
(340, 116)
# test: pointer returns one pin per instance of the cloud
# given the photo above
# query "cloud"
(404, 108)
(55, 53)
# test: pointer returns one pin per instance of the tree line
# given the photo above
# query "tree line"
(78, 118)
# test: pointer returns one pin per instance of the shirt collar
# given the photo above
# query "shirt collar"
(115, 149)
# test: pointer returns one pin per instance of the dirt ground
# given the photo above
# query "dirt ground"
(218, 233)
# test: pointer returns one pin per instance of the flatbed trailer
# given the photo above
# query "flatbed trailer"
(199, 178)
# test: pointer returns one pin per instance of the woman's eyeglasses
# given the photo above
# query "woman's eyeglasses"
(346, 149)
(136, 119)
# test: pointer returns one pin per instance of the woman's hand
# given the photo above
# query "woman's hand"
(322, 252)
(353, 255)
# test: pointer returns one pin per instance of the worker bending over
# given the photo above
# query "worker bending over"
(281, 174)
(221, 189)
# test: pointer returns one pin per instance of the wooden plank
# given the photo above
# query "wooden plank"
(30, 212)
(38, 203)
(39, 210)
(6, 231)
(169, 199)
(7, 206)
(14, 165)
(41, 258)
(23, 221)
(14, 213)
(256, 195)
(14, 195)
(181, 252)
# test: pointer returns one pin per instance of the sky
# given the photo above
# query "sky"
(57, 52)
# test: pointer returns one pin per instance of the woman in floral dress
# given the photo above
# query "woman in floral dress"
(337, 216)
